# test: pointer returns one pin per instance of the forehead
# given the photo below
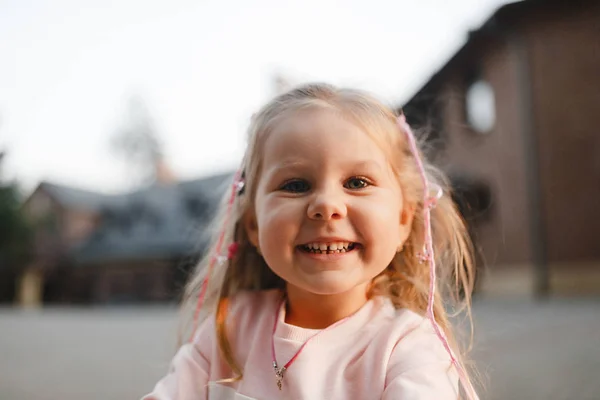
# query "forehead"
(320, 134)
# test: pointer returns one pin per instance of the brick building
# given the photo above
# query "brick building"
(95, 248)
(514, 116)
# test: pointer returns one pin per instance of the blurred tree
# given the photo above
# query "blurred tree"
(15, 232)
(139, 144)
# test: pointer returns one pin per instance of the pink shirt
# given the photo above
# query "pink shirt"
(377, 353)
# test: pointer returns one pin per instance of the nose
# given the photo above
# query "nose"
(327, 205)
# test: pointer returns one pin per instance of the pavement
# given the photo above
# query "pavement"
(523, 350)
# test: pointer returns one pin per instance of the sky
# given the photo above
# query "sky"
(68, 69)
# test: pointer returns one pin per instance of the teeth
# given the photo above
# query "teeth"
(336, 247)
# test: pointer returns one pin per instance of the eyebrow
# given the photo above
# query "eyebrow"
(368, 164)
(287, 164)
(299, 164)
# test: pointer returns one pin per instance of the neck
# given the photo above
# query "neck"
(315, 311)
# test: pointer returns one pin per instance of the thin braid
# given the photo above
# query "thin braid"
(236, 187)
(429, 256)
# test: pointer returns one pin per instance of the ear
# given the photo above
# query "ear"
(406, 219)
(251, 227)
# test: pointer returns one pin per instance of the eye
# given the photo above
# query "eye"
(295, 186)
(355, 183)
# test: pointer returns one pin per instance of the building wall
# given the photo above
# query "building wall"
(78, 224)
(47, 218)
(71, 225)
(122, 282)
(45, 215)
(497, 158)
(565, 63)
(564, 49)
(39, 205)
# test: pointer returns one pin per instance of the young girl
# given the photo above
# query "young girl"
(321, 282)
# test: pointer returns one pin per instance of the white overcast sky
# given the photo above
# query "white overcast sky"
(69, 67)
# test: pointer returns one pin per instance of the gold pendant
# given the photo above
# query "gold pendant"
(279, 375)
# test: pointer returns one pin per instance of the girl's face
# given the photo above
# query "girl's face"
(329, 213)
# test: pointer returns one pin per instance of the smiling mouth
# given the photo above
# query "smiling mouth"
(332, 248)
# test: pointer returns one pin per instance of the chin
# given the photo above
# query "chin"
(324, 288)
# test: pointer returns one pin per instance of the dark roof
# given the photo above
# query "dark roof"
(212, 186)
(156, 222)
(503, 20)
(71, 197)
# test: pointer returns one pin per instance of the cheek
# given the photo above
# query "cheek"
(273, 212)
(386, 212)
(385, 237)
(380, 225)
(277, 220)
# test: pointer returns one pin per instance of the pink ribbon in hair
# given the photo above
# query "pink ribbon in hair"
(237, 188)
(427, 254)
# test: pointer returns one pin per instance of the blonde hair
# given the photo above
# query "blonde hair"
(405, 281)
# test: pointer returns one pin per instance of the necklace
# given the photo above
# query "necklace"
(279, 372)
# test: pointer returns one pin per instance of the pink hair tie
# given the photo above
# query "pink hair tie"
(240, 184)
(431, 201)
(232, 250)
(427, 254)
(237, 188)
